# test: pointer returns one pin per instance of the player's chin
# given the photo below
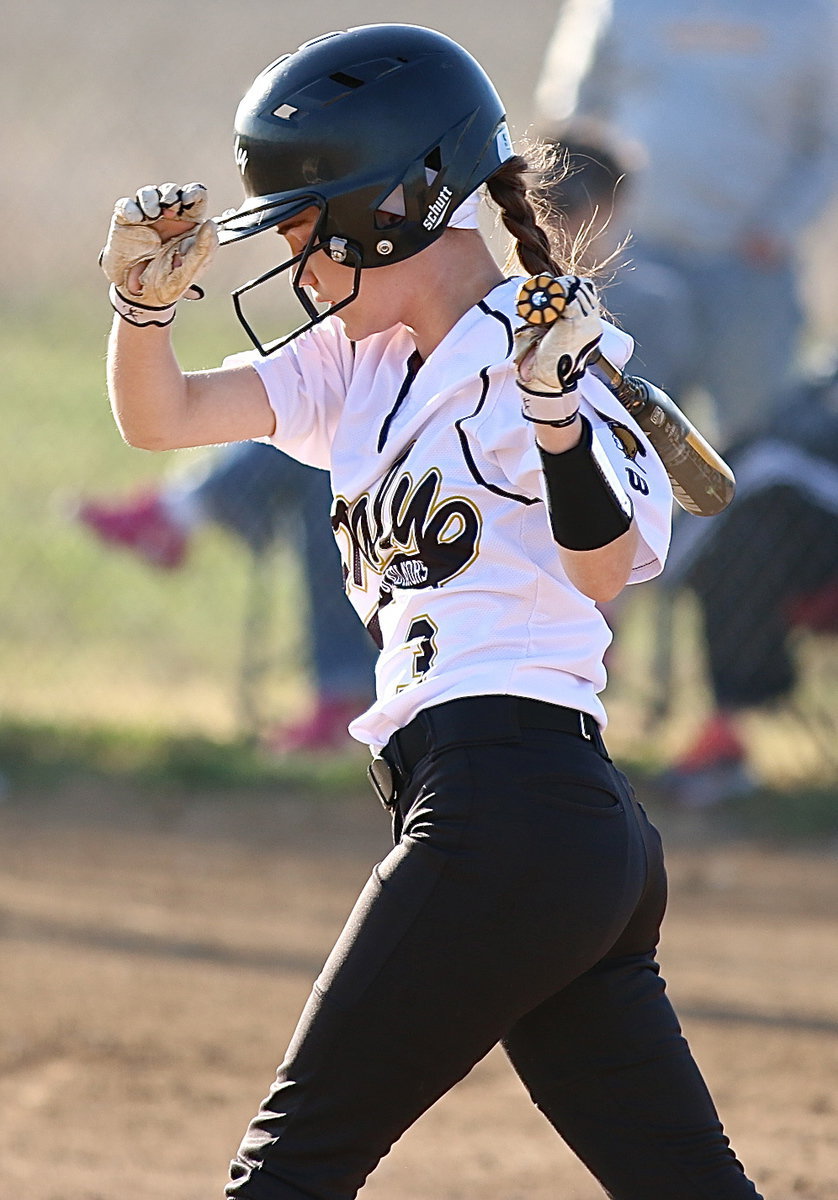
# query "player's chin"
(358, 324)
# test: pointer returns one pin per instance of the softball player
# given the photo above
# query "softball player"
(523, 897)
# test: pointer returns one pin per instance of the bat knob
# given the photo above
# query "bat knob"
(541, 300)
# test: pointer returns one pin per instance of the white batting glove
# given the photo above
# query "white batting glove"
(551, 358)
(165, 228)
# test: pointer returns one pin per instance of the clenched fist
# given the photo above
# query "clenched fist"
(554, 347)
(159, 243)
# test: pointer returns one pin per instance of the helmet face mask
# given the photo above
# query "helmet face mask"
(337, 249)
(385, 128)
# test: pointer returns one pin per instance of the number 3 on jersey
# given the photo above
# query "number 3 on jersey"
(421, 639)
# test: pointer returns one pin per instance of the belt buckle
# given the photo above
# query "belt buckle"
(383, 781)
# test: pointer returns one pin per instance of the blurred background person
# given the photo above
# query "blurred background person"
(735, 106)
(762, 571)
(257, 494)
(590, 199)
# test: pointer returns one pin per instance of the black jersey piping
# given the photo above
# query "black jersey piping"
(458, 425)
(504, 320)
(469, 457)
(413, 365)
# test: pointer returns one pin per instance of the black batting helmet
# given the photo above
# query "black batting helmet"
(385, 129)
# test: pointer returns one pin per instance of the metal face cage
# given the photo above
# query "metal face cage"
(338, 249)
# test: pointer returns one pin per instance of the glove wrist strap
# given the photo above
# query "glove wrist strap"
(139, 314)
(559, 424)
(541, 407)
(552, 394)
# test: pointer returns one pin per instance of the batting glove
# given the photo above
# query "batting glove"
(553, 349)
(165, 228)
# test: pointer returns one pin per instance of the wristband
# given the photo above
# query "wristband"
(558, 423)
(140, 314)
(587, 504)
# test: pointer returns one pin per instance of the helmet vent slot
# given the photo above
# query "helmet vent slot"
(350, 81)
(285, 111)
(433, 161)
(391, 210)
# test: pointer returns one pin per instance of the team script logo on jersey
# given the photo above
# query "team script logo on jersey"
(404, 535)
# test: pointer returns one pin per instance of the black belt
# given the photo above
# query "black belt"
(470, 720)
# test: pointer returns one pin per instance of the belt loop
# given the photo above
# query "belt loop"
(393, 752)
(583, 727)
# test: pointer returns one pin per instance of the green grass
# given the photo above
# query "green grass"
(88, 633)
(802, 812)
(46, 758)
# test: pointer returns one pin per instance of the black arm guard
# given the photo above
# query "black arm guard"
(588, 505)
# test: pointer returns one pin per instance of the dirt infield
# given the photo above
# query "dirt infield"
(155, 955)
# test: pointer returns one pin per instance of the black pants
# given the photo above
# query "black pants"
(521, 904)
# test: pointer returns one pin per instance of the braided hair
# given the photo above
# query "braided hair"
(522, 189)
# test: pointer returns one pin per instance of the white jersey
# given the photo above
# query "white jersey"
(440, 513)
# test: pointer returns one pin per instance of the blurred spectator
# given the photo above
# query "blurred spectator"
(735, 103)
(256, 492)
(766, 567)
(645, 297)
(589, 199)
